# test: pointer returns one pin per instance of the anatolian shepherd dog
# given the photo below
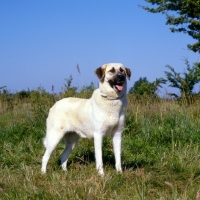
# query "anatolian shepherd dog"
(101, 115)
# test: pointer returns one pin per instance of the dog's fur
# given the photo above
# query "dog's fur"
(101, 115)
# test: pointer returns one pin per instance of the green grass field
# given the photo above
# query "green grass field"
(161, 154)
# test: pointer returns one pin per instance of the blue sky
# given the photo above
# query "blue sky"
(41, 42)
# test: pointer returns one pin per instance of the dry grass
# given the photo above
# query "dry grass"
(161, 154)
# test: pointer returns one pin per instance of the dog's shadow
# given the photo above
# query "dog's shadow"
(87, 156)
(108, 160)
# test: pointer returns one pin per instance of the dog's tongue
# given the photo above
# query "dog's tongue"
(119, 87)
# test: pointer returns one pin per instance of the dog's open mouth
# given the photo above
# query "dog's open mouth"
(118, 87)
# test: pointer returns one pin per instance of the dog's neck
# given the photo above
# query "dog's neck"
(109, 97)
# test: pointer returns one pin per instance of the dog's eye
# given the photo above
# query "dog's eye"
(121, 70)
(112, 70)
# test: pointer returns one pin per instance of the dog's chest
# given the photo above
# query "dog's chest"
(111, 121)
(112, 112)
(109, 113)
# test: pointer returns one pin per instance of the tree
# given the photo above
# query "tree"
(140, 87)
(144, 87)
(183, 15)
(185, 83)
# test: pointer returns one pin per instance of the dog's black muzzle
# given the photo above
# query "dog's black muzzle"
(120, 78)
(117, 82)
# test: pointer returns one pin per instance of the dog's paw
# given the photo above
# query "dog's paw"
(43, 171)
(119, 169)
(101, 172)
(64, 168)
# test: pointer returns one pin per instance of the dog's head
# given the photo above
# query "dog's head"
(115, 75)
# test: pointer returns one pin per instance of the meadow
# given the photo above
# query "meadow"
(160, 156)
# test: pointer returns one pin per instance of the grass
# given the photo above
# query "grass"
(161, 154)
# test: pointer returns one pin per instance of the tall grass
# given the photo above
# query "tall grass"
(161, 153)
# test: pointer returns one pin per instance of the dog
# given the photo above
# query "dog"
(100, 116)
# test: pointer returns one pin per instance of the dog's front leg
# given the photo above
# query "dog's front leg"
(117, 140)
(98, 152)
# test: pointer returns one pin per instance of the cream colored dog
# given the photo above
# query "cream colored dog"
(101, 115)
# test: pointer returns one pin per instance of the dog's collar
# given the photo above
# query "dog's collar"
(110, 98)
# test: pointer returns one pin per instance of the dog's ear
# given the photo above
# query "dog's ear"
(100, 72)
(128, 73)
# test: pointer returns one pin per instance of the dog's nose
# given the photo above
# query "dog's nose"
(120, 77)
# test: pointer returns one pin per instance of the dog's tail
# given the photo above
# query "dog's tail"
(44, 142)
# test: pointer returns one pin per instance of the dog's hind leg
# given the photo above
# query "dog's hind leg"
(70, 141)
(50, 142)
